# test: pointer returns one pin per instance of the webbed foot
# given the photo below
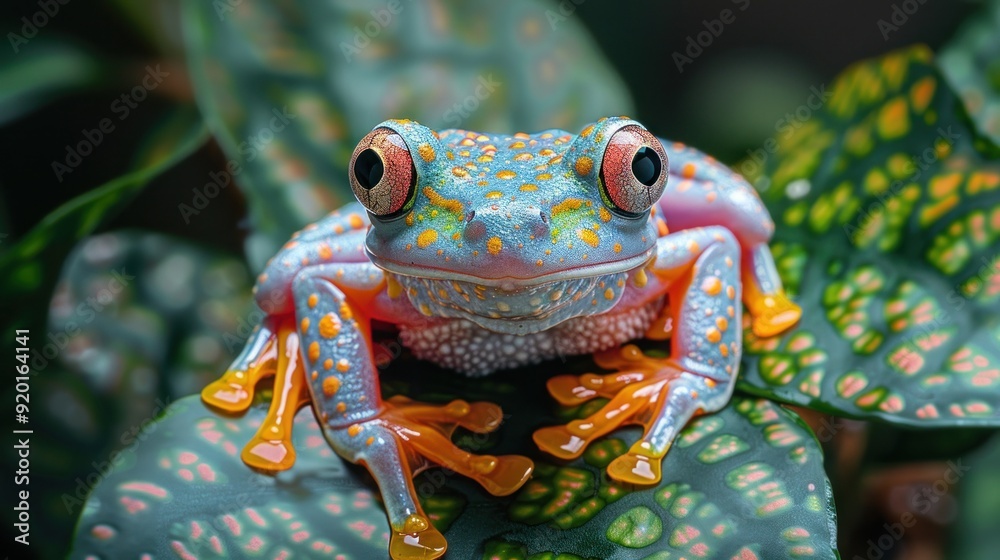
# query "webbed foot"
(656, 393)
(404, 438)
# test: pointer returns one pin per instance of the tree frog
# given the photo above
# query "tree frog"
(488, 252)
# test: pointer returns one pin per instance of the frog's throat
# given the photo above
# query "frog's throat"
(510, 283)
(522, 311)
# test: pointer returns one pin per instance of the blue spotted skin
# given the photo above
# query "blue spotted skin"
(511, 254)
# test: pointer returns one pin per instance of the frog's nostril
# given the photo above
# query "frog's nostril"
(475, 229)
(540, 228)
(470, 216)
(544, 217)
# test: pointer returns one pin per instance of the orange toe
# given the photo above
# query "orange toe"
(233, 392)
(773, 315)
(505, 474)
(635, 468)
(419, 540)
(573, 390)
(559, 442)
(268, 455)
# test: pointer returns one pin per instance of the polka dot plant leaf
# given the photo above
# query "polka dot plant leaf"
(888, 212)
(745, 483)
(289, 87)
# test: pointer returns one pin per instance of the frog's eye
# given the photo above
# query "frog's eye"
(633, 171)
(382, 173)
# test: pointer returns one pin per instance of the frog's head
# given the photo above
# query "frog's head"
(515, 233)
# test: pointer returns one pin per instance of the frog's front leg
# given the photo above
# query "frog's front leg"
(334, 304)
(702, 192)
(702, 270)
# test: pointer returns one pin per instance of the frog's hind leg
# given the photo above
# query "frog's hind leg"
(268, 352)
(702, 268)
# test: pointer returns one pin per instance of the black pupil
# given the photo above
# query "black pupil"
(646, 166)
(368, 168)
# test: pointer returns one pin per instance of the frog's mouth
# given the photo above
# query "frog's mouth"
(510, 283)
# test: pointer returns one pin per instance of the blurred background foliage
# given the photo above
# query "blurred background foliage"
(177, 323)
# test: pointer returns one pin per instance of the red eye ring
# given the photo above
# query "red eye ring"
(382, 174)
(633, 171)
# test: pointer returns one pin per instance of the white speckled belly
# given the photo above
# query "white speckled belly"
(468, 348)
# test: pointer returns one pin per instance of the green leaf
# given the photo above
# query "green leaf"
(31, 265)
(893, 259)
(290, 88)
(971, 63)
(34, 76)
(747, 481)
